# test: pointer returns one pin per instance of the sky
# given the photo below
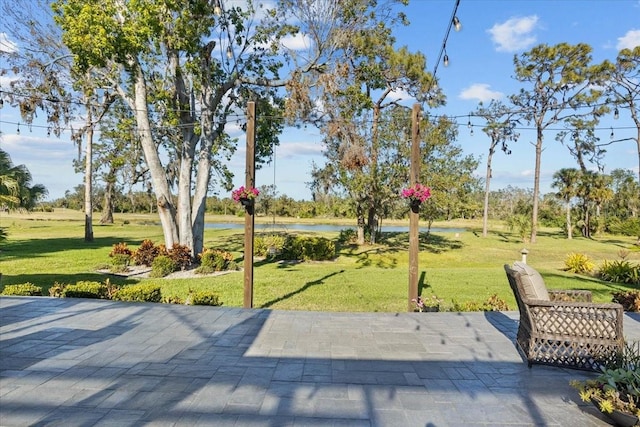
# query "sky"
(480, 69)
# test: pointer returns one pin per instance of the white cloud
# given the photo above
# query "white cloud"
(7, 45)
(630, 40)
(296, 149)
(296, 42)
(481, 92)
(514, 34)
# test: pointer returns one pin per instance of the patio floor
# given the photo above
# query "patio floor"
(77, 362)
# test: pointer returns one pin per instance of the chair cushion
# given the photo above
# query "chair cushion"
(532, 282)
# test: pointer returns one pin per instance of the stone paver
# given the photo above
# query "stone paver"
(75, 362)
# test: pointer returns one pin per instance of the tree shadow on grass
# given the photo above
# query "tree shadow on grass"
(35, 248)
(306, 286)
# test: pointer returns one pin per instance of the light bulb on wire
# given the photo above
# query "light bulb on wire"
(616, 114)
(445, 60)
(456, 24)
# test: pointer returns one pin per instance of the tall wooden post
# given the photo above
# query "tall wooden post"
(249, 218)
(414, 213)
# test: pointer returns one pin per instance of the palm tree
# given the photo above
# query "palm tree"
(16, 190)
(566, 180)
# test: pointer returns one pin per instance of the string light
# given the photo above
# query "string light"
(469, 122)
(445, 60)
(616, 114)
(229, 52)
(612, 135)
(217, 10)
(456, 24)
(18, 129)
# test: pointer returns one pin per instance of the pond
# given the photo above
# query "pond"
(323, 227)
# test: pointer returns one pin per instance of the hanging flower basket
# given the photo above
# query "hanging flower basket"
(245, 196)
(416, 194)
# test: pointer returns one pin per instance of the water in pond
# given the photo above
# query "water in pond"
(323, 227)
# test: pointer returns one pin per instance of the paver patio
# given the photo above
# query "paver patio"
(76, 362)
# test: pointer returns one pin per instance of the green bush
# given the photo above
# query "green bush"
(120, 260)
(144, 292)
(203, 298)
(578, 263)
(162, 266)
(269, 246)
(86, 289)
(348, 236)
(493, 303)
(620, 271)
(630, 300)
(56, 289)
(627, 227)
(309, 248)
(23, 289)
(215, 260)
(146, 253)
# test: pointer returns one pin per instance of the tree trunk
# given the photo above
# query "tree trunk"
(88, 181)
(536, 188)
(569, 227)
(166, 208)
(360, 229)
(107, 210)
(487, 186)
(372, 225)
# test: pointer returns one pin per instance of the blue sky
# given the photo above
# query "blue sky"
(480, 69)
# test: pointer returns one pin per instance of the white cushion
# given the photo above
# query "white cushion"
(532, 282)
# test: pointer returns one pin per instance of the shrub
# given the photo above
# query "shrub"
(215, 260)
(146, 253)
(493, 303)
(578, 263)
(23, 289)
(309, 248)
(144, 292)
(347, 236)
(627, 227)
(57, 289)
(269, 246)
(203, 298)
(85, 289)
(120, 249)
(620, 271)
(172, 299)
(162, 266)
(181, 256)
(120, 261)
(630, 300)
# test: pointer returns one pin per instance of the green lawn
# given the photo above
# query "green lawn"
(44, 248)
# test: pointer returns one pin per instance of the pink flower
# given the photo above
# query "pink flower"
(244, 193)
(416, 192)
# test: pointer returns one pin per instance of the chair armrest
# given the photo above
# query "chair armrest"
(577, 319)
(570, 295)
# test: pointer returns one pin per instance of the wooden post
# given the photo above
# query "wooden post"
(414, 212)
(249, 218)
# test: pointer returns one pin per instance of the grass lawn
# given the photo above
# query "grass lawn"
(44, 248)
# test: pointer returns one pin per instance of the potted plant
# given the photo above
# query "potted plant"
(416, 194)
(616, 390)
(431, 303)
(245, 196)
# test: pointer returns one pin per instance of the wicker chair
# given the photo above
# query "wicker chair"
(563, 328)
